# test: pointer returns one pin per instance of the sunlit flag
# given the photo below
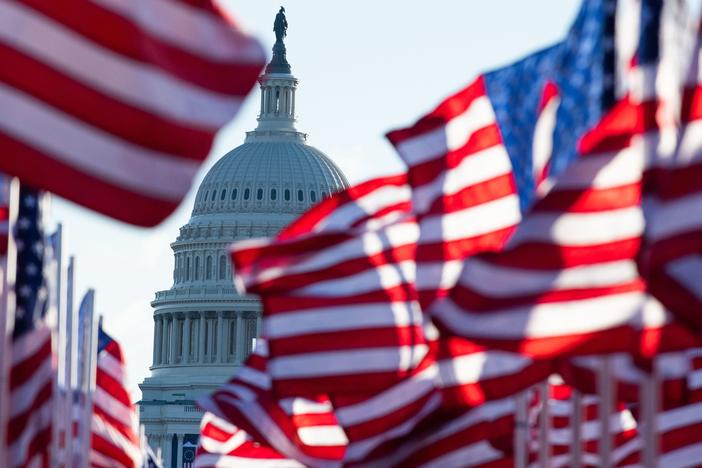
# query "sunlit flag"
(114, 104)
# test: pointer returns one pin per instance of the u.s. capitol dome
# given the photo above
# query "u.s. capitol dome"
(203, 328)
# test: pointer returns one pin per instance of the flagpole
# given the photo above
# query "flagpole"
(649, 401)
(544, 426)
(605, 392)
(58, 452)
(71, 353)
(520, 430)
(89, 377)
(576, 421)
(7, 316)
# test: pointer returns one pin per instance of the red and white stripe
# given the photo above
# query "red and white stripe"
(31, 403)
(674, 207)
(338, 293)
(114, 103)
(222, 444)
(680, 428)
(479, 437)
(303, 429)
(560, 433)
(568, 281)
(462, 186)
(115, 440)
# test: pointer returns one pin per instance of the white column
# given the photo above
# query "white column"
(220, 337)
(258, 326)
(165, 339)
(158, 323)
(186, 339)
(201, 341)
(174, 338)
(263, 100)
(292, 97)
(179, 453)
(210, 336)
(238, 338)
(167, 449)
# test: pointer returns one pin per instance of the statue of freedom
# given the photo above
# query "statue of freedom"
(280, 26)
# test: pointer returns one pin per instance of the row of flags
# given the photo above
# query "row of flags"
(49, 418)
(549, 213)
(525, 295)
(108, 107)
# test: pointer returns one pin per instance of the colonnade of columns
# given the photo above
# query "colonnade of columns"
(278, 100)
(204, 337)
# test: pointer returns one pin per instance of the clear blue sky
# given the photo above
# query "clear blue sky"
(364, 67)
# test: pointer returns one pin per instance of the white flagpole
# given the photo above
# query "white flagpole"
(544, 426)
(90, 356)
(520, 430)
(58, 295)
(7, 316)
(649, 401)
(576, 421)
(70, 360)
(605, 390)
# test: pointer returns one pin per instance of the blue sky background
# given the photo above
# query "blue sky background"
(365, 67)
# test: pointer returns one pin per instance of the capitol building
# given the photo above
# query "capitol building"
(203, 329)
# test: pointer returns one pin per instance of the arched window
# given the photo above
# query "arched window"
(287, 194)
(300, 195)
(207, 194)
(234, 193)
(274, 194)
(187, 269)
(208, 267)
(259, 194)
(222, 267)
(313, 196)
(197, 269)
(224, 193)
(214, 194)
(247, 193)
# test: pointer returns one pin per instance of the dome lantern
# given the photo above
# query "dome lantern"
(276, 118)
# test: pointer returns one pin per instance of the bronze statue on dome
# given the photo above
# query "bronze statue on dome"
(280, 26)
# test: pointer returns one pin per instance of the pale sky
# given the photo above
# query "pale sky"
(365, 67)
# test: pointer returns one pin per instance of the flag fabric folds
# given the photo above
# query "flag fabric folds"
(113, 110)
(303, 429)
(540, 223)
(114, 433)
(223, 444)
(338, 292)
(31, 370)
(473, 163)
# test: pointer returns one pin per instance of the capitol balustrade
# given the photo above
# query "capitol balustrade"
(204, 292)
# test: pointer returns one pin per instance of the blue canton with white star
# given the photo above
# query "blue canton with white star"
(581, 67)
(30, 285)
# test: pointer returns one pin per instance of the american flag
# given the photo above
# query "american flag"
(375, 415)
(570, 280)
(304, 429)
(32, 372)
(114, 104)
(223, 444)
(473, 163)
(338, 292)
(556, 416)
(115, 440)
